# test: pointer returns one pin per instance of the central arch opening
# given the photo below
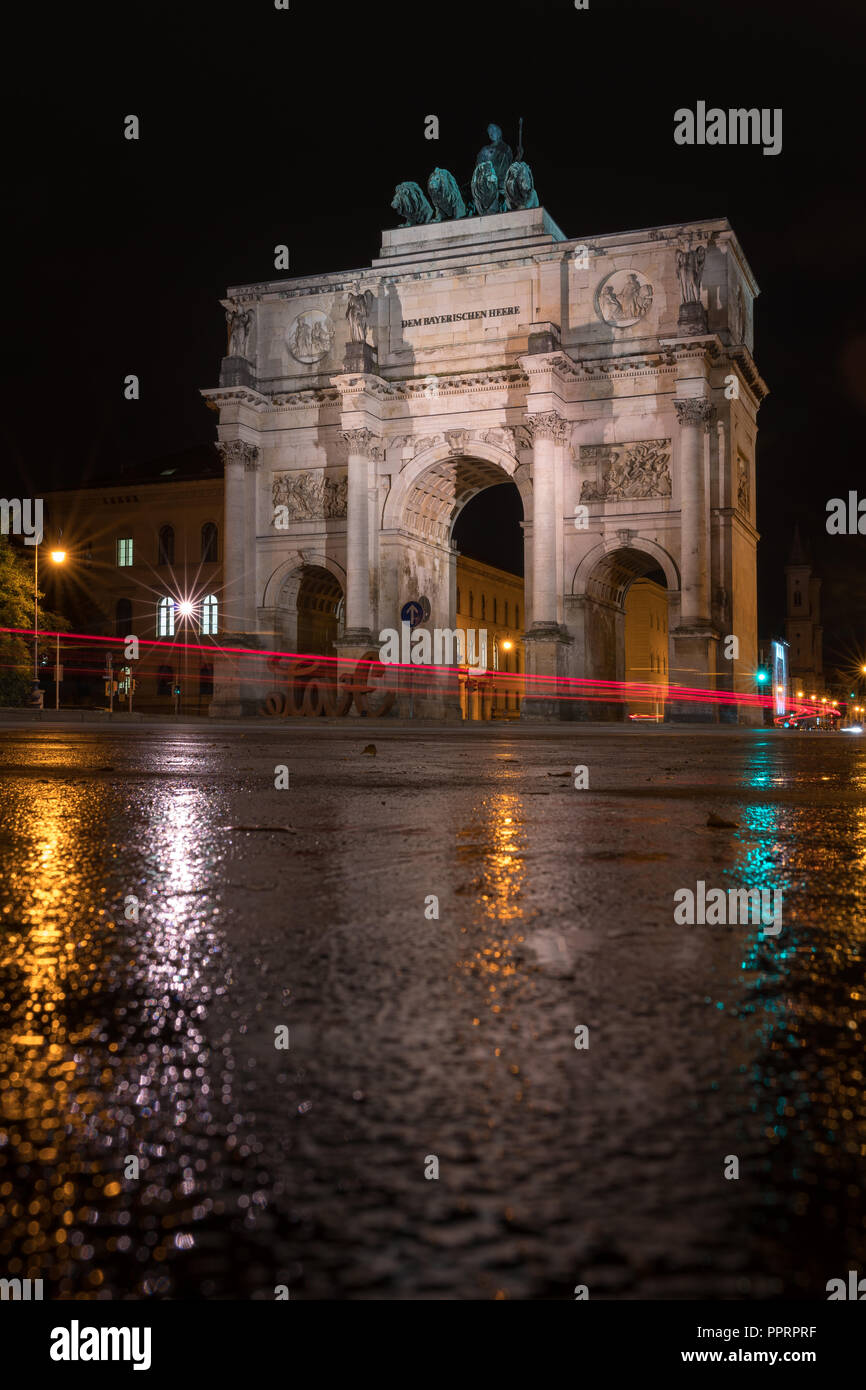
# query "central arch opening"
(627, 632)
(310, 610)
(488, 535)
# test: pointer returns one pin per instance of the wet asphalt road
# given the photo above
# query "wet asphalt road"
(413, 1037)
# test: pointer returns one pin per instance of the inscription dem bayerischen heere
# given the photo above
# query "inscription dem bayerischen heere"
(456, 318)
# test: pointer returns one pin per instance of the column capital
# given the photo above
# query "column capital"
(695, 410)
(239, 451)
(362, 441)
(547, 424)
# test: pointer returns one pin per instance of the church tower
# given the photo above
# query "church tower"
(803, 631)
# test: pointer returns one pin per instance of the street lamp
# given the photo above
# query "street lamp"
(185, 610)
(58, 557)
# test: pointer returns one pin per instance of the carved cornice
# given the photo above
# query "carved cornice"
(695, 411)
(303, 400)
(750, 374)
(219, 396)
(239, 451)
(557, 364)
(364, 383)
(547, 424)
(364, 442)
(457, 383)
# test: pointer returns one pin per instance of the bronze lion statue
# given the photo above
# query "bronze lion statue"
(445, 195)
(485, 188)
(410, 202)
(519, 188)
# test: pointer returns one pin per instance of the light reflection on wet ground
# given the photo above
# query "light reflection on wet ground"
(148, 952)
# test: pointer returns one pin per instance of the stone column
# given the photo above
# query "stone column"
(251, 483)
(230, 697)
(694, 417)
(237, 456)
(361, 446)
(694, 642)
(549, 431)
(545, 638)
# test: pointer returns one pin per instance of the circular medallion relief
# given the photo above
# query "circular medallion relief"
(310, 336)
(623, 298)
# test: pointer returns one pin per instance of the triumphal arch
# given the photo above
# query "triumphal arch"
(608, 377)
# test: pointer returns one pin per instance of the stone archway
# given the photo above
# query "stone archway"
(418, 557)
(307, 597)
(626, 603)
(431, 489)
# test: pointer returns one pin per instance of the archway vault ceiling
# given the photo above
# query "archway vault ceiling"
(443, 490)
(615, 571)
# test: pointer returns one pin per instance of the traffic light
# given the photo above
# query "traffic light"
(111, 687)
(762, 675)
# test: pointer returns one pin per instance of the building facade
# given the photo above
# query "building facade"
(143, 559)
(490, 600)
(646, 648)
(609, 379)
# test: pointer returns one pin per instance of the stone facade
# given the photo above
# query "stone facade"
(132, 546)
(372, 405)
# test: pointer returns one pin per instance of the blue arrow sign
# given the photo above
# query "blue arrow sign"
(412, 613)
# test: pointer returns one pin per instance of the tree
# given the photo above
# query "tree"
(16, 610)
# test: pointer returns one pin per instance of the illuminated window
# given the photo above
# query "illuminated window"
(124, 550)
(209, 616)
(165, 618)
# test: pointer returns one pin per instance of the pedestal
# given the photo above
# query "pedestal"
(694, 665)
(692, 318)
(236, 371)
(545, 337)
(355, 644)
(546, 664)
(360, 357)
(240, 682)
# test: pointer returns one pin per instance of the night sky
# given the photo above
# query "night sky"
(262, 126)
